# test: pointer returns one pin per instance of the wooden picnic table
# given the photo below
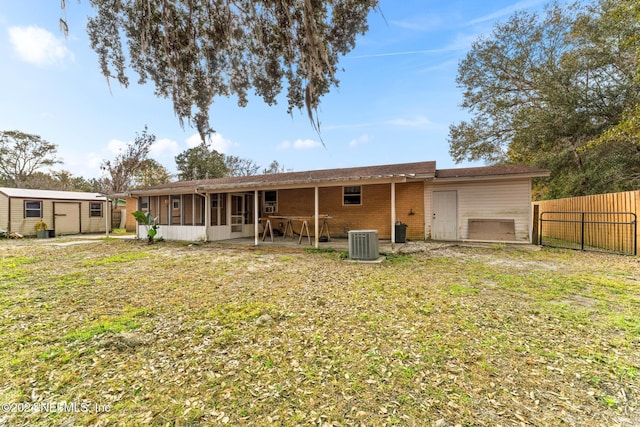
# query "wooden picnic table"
(288, 228)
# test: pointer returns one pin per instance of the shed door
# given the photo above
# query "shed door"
(66, 218)
(444, 223)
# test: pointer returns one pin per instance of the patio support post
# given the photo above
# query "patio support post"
(393, 214)
(256, 219)
(316, 220)
(107, 213)
(207, 215)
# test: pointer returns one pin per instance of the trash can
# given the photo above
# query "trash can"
(52, 233)
(401, 232)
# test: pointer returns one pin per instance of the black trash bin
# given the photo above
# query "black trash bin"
(401, 232)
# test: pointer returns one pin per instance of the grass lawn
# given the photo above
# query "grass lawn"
(116, 332)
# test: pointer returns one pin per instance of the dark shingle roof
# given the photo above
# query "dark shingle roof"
(410, 170)
(417, 170)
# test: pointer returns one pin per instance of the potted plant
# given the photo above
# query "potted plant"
(42, 231)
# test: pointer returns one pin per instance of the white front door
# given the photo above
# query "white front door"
(444, 223)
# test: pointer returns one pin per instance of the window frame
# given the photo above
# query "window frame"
(30, 209)
(270, 205)
(145, 201)
(93, 210)
(356, 196)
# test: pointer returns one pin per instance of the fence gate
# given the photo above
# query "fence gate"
(590, 231)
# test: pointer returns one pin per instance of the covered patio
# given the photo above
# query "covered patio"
(314, 204)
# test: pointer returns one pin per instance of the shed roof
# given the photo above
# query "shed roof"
(28, 193)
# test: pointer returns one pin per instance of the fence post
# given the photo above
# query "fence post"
(635, 234)
(534, 232)
(582, 233)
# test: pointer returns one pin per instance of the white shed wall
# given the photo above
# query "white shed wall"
(26, 226)
(486, 200)
(4, 212)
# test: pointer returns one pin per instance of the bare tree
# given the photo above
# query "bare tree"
(240, 167)
(121, 171)
(274, 167)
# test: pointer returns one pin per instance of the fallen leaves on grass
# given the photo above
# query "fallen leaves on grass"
(219, 335)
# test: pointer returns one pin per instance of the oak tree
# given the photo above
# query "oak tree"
(201, 162)
(541, 88)
(194, 51)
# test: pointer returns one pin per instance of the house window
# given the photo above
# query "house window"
(175, 202)
(32, 209)
(95, 209)
(352, 195)
(144, 203)
(270, 201)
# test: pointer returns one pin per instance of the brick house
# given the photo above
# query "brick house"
(484, 203)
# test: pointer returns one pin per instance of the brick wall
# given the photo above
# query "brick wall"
(374, 213)
(132, 206)
(410, 208)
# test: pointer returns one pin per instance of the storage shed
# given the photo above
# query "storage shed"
(64, 212)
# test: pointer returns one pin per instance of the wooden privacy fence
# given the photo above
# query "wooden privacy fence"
(602, 222)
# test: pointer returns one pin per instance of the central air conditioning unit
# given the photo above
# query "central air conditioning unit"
(363, 244)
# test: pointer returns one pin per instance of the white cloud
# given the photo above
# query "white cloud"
(193, 141)
(116, 146)
(284, 145)
(219, 143)
(421, 23)
(417, 122)
(362, 139)
(299, 144)
(306, 143)
(38, 46)
(216, 141)
(86, 165)
(509, 10)
(164, 146)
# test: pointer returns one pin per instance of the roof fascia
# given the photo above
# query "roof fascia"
(491, 177)
(229, 188)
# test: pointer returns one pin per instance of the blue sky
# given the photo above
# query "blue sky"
(395, 102)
